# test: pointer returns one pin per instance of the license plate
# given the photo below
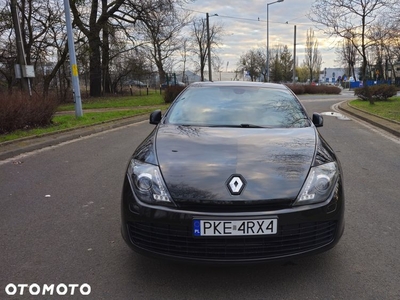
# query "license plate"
(234, 227)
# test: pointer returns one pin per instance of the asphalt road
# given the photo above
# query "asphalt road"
(60, 214)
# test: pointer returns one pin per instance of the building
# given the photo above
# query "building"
(333, 75)
(391, 75)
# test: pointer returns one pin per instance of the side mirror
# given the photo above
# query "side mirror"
(318, 120)
(155, 117)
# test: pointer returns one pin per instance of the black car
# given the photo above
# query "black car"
(233, 172)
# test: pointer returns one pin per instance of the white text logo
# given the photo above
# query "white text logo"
(35, 289)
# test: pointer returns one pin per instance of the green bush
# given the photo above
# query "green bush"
(379, 92)
(171, 92)
(19, 111)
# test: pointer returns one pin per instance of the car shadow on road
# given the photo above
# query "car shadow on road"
(230, 281)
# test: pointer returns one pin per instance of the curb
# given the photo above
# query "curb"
(390, 126)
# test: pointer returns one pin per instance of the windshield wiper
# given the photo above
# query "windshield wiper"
(241, 126)
(300, 119)
(253, 126)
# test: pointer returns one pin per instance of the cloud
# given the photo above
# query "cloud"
(245, 26)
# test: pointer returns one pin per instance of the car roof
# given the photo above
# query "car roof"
(239, 84)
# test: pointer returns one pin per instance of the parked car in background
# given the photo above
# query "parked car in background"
(172, 83)
(137, 83)
(233, 172)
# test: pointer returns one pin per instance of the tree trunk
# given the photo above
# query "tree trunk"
(106, 53)
(161, 74)
(95, 66)
(159, 64)
(106, 61)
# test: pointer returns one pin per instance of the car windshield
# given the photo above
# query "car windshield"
(229, 106)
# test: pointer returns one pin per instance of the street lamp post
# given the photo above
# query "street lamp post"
(267, 67)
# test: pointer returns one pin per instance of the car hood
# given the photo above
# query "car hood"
(197, 162)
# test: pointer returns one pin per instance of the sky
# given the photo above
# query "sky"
(245, 27)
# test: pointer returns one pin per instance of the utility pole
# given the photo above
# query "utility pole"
(209, 48)
(20, 46)
(294, 56)
(72, 61)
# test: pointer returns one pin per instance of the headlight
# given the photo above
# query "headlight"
(146, 182)
(319, 184)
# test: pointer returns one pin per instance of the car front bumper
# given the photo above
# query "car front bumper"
(168, 232)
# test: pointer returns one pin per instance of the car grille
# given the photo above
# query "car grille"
(176, 240)
(227, 206)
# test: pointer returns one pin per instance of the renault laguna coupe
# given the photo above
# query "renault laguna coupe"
(233, 172)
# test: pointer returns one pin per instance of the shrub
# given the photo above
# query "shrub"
(322, 89)
(332, 90)
(378, 92)
(19, 111)
(171, 92)
(300, 89)
(310, 89)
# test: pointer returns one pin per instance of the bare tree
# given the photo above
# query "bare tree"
(8, 51)
(313, 58)
(162, 28)
(352, 20)
(43, 38)
(387, 46)
(184, 55)
(252, 62)
(116, 43)
(91, 26)
(199, 45)
(218, 65)
(99, 21)
(128, 65)
(348, 56)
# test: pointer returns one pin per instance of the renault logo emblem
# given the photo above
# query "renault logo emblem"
(236, 184)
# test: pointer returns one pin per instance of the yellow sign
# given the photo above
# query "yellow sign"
(74, 70)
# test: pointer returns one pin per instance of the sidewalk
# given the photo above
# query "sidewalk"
(16, 147)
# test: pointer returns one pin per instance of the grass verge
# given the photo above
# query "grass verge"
(389, 109)
(63, 122)
(117, 102)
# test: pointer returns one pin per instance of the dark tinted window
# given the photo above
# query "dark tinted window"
(237, 106)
